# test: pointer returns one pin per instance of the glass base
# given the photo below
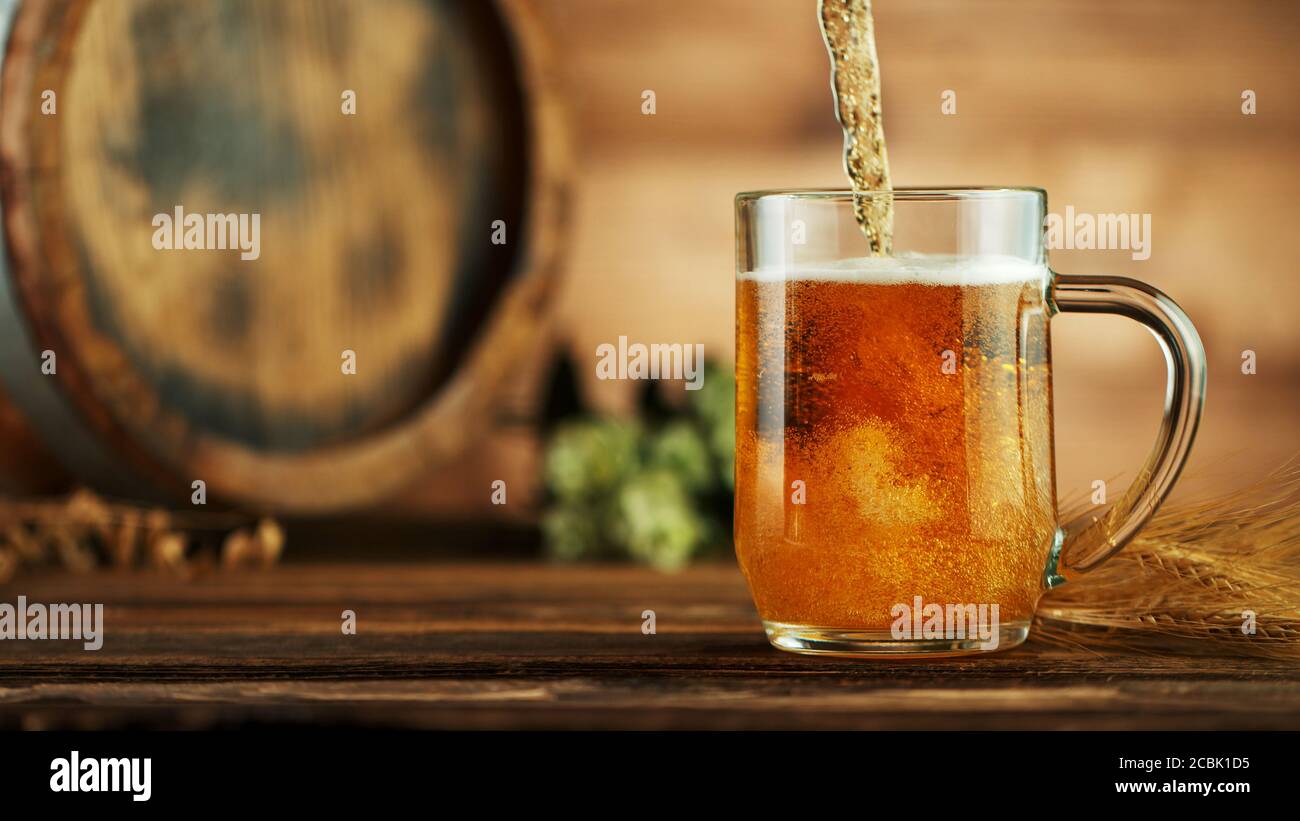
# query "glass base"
(847, 642)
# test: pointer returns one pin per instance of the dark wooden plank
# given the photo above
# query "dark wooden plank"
(516, 645)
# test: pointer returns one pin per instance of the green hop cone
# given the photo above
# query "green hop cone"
(655, 521)
(570, 533)
(588, 458)
(680, 448)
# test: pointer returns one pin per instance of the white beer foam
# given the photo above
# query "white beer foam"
(919, 269)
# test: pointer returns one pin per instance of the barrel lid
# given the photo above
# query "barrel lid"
(363, 163)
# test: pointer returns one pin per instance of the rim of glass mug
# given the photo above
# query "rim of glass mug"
(1011, 222)
(917, 194)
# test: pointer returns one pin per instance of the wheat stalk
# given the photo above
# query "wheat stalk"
(1192, 577)
(83, 531)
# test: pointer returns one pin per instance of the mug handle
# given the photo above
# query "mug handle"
(1090, 539)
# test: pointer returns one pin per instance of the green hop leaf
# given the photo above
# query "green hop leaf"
(715, 401)
(723, 442)
(715, 404)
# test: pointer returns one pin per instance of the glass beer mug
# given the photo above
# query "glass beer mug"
(895, 481)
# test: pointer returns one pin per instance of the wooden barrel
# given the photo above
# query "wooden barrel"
(405, 163)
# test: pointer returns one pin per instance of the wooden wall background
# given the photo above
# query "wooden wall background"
(1111, 105)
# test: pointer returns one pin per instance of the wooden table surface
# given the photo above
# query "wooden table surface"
(531, 646)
